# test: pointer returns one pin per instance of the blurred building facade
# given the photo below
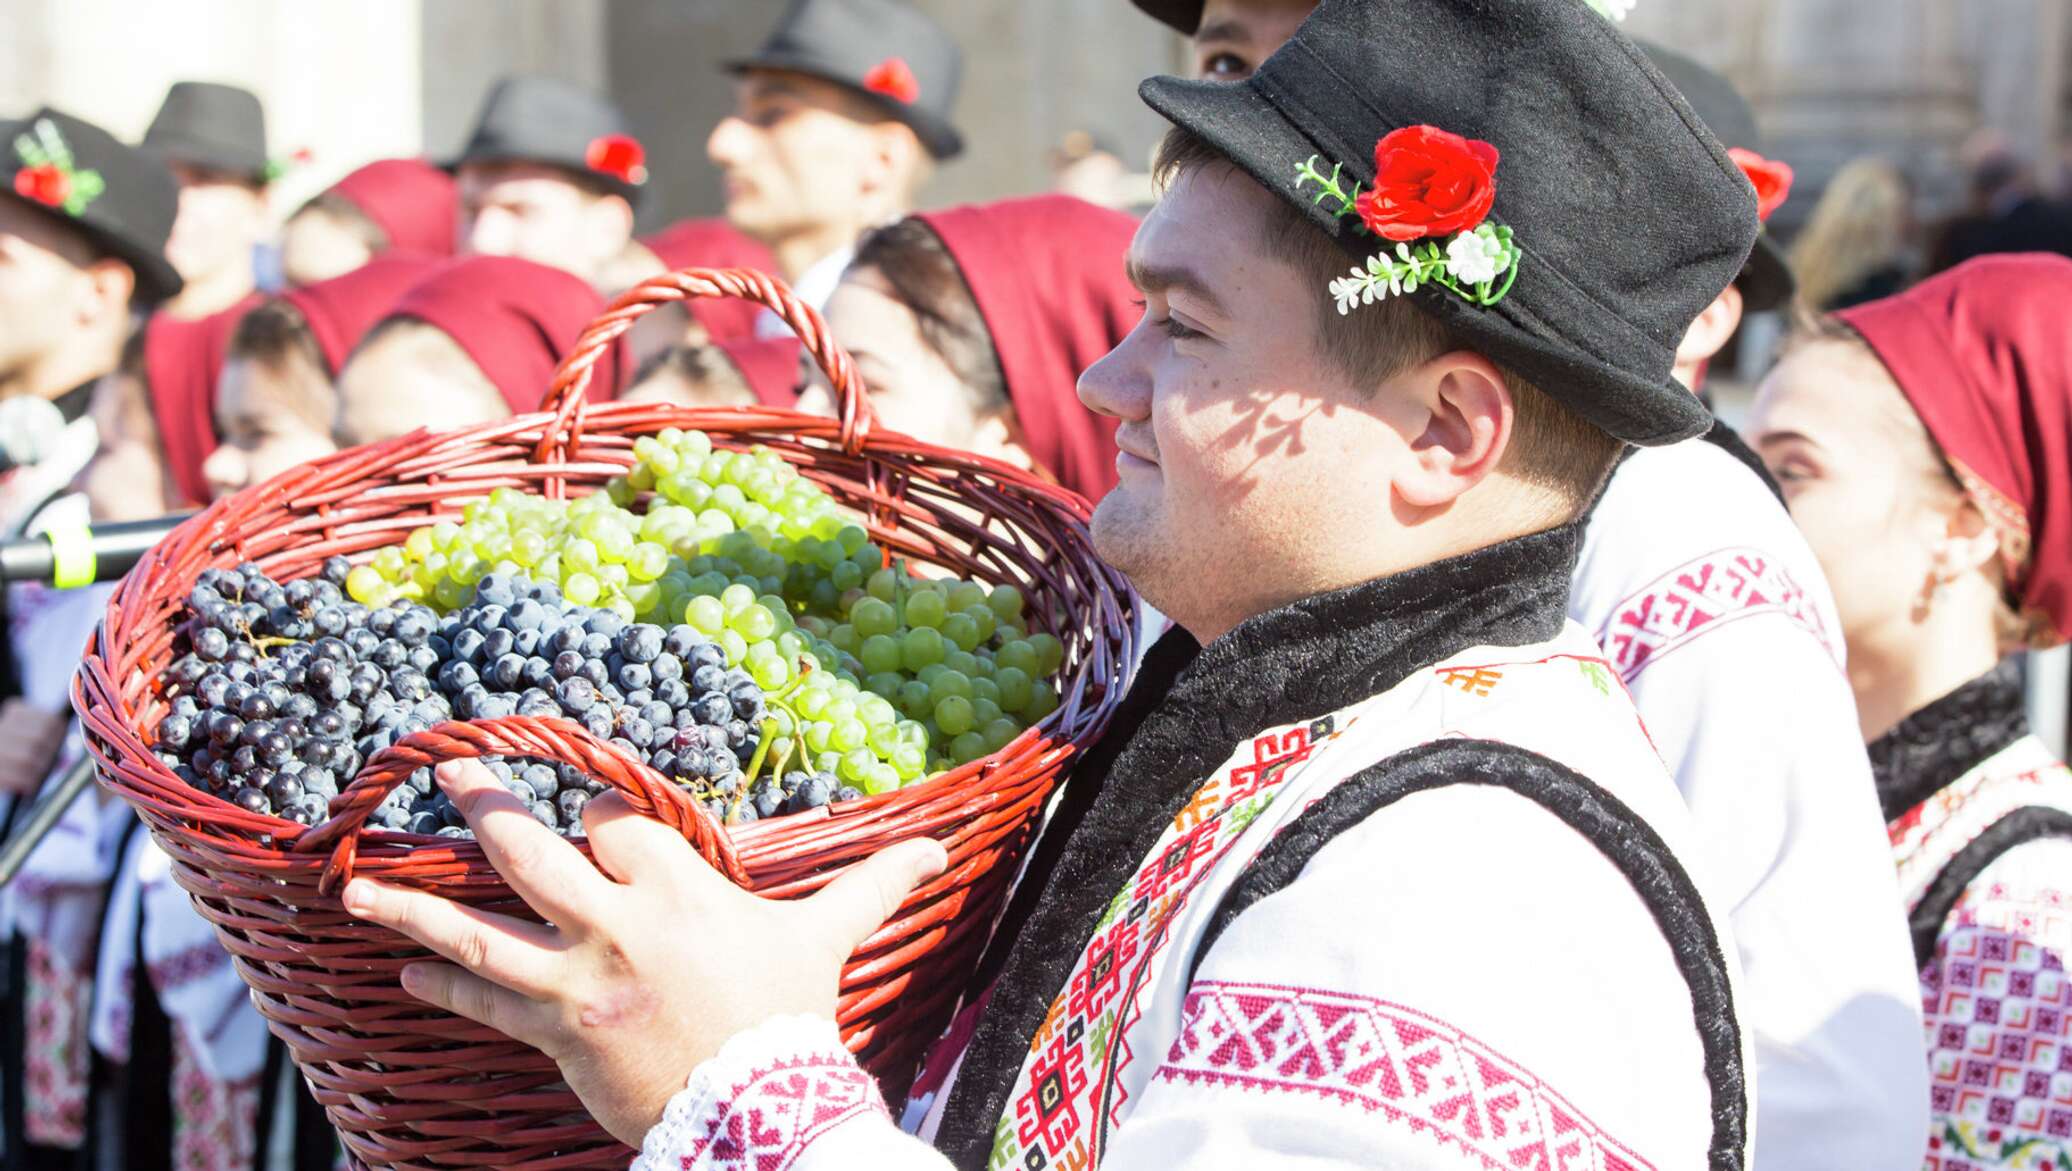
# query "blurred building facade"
(355, 79)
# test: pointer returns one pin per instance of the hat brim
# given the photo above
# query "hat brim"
(1182, 16)
(199, 154)
(1766, 281)
(1260, 140)
(941, 139)
(157, 279)
(624, 190)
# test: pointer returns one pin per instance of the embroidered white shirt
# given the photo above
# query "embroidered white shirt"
(1711, 606)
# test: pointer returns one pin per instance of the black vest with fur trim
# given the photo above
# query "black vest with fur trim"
(1936, 747)
(1192, 706)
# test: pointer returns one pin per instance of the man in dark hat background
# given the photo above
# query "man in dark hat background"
(1376, 865)
(213, 137)
(84, 221)
(1694, 579)
(550, 174)
(839, 118)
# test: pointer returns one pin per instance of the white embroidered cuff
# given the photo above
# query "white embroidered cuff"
(761, 1099)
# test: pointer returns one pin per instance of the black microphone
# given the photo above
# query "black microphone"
(78, 556)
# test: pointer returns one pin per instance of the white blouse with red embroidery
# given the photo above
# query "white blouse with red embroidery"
(1459, 981)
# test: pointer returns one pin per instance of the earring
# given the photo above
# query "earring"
(1933, 590)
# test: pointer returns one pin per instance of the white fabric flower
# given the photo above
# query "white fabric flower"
(1347, 291)
(1473, 258)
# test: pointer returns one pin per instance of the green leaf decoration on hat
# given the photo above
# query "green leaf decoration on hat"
(48, 175)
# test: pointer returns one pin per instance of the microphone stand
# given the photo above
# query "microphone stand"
(44, 815)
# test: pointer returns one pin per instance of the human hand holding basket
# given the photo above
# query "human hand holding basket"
(408, 1086)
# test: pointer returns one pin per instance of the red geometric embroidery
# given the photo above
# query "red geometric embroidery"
(1474, 681)
(1272, 754)
(1050, 1107)
(771, 1117)
(1389, 1060)
(1702, 596)
(1098, 977)
(1178, 862)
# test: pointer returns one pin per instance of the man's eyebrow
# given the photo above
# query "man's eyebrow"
(1151, 278)
(1223, 32)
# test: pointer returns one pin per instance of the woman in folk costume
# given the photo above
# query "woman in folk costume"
(972, 325)
(1374, 768)
(1925, 441)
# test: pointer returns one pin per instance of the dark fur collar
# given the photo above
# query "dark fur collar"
(1937, 745)
(1282, 667)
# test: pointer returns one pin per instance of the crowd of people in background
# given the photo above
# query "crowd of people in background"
(1818, 625)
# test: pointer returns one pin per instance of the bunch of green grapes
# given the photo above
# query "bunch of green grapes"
(875, 674)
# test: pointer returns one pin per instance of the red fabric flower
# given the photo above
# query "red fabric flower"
(45, 184)
(619, 155)
(1772, 180)
(894, 79)
(1428, 182)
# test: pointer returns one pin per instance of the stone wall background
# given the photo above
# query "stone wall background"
(353, 79)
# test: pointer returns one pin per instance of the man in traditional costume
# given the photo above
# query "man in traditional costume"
(1717, 619)
(839, 118)
(84, 221)
(213, 137)
(1376, 865)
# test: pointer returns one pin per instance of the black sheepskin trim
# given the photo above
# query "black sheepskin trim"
(1285, 666)
(1620, 834)
(2021, 826)
(1937, 745)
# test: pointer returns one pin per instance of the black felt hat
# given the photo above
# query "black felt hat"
(886, 50)
(1766, 281)
(118, 197)
(205, 124)
(547, 120)
(1627, 216)
(1184, 16)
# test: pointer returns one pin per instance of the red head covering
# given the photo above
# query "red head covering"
(714, 244)
(410, 200)
(1047, 275)
(516, 319)
(182, 360)
(1984, 354)
(770, 367)
(341, 310)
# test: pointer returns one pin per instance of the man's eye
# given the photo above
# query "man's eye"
(1173, 328)
(1226, 67)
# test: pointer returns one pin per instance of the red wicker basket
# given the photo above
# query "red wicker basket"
(410, 1087)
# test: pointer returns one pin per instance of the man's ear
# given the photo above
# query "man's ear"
(1464, 421)
(612, 221)
(1713, 329)
(897, 163)
(109, 286)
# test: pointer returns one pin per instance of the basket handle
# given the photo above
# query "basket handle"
(545, 737)
(565, 397)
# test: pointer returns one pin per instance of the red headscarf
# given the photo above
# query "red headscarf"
(341, 310)
(410, 200)
(1984, 354)
(1047, 275)
(516, 319)
(714, 244)
(770, 367)
(182, 360)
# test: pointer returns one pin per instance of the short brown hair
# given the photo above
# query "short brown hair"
(357, 223)
(1551, 447)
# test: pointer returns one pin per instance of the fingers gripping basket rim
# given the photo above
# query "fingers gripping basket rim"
(408, 1086)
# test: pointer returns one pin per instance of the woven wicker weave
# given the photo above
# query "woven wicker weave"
(411, 1087)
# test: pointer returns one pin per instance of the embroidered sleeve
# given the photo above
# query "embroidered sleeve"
(784, 1095)
(1996, 1000)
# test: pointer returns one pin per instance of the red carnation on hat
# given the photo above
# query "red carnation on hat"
(1428, 182)
(894, 79)
(48, 185)
(619, 155)
(1771, 178)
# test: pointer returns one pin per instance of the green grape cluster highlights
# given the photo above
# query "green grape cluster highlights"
(872, 673)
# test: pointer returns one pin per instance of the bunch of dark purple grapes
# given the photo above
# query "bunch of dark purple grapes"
(285, 690)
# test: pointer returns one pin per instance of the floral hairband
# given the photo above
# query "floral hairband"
(1432, 193)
